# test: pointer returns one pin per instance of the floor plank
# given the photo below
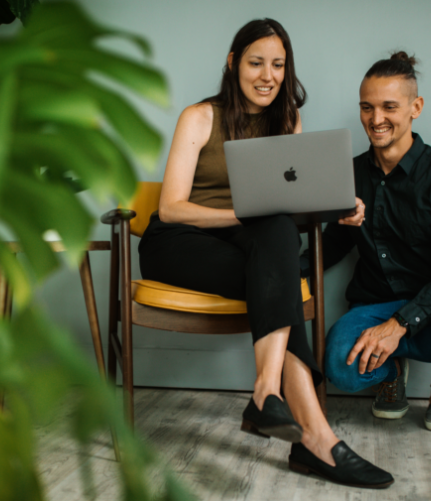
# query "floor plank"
(197, 433)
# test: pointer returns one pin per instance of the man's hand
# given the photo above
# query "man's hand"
(381, 341)
(358, 218)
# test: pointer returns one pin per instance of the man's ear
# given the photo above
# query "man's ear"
(230, 59)
(417, 107)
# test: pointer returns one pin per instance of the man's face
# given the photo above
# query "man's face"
(388, 106)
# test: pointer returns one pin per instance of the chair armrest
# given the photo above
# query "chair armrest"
(116, 215)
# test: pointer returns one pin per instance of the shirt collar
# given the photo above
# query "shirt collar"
(409, 159)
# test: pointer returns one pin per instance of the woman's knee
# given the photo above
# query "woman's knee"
(284, 222)
(281, 228)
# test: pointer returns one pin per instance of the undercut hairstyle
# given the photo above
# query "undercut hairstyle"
(399, 65)
(281, 116)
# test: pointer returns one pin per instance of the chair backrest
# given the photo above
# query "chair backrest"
(144, 203)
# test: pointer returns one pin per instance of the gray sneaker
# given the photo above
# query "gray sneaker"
(427, 417)
(391, 401)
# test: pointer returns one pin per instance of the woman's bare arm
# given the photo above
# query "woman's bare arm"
(191, 135)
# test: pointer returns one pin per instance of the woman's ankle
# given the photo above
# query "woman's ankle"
(263, 388)
(320, 444)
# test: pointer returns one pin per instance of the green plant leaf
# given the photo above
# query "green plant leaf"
(144, 141)
(60, 119)
(118, 169)
(61, 151)
(11, 372)
(45, 102)
(13, 54)
(47, 206)
(175, 491)
(16, 276)
(7, 98)
(39, 254)
(140, 77)
(50, 360)
(22, 8)
(55, 370)
(18, 476)
(66, 25)
(89, 154)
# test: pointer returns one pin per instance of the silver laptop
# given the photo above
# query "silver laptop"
(308, 176)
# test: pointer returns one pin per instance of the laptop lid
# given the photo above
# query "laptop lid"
(308, 176)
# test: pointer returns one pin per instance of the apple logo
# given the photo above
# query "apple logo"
(290, 175)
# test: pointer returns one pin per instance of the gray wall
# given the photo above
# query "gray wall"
(335, 42)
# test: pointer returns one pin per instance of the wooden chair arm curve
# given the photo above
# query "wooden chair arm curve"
(116, 215)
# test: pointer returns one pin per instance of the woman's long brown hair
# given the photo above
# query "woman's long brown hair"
(281, 116)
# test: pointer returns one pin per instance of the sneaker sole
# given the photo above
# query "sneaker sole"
(427, 424)
(389, 414)
(392, 414)
(288, 432)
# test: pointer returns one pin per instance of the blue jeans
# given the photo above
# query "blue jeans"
(343, 335)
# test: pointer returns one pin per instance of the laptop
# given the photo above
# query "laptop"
(308, 176)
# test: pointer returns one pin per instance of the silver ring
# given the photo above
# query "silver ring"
(375, 356)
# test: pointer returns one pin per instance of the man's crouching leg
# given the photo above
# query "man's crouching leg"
(339, 342)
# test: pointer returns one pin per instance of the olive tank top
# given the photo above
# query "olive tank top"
(211, 183)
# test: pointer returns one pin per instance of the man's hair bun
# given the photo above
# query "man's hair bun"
(399, 64)
(402, 56)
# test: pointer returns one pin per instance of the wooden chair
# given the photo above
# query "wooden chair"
(161, 306)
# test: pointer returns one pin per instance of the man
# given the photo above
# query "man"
(389, 319)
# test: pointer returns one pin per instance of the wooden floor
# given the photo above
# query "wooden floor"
(198, 434)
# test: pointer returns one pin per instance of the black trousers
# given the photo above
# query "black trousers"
(257, 262)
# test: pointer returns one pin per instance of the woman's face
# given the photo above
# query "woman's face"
(261, 72)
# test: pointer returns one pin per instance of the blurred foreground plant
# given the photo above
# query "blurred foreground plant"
(62, 125)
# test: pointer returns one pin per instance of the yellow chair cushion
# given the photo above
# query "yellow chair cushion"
(170, 297)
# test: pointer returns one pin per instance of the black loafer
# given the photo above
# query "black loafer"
(272, 421)
(350, 468)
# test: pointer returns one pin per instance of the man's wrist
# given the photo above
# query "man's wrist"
(401, 322)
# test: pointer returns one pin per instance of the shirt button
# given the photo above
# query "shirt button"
(383, 255)
(382, 183)
(417, 319)
(379, 208)
(378, 233)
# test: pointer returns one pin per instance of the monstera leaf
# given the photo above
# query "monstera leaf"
(60, 119)
(62, 126)
(22, 8)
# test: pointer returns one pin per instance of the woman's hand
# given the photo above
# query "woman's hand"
(358, 218)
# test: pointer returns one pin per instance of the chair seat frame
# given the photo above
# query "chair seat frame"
(123, 309)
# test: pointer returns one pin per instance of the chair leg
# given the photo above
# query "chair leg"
(90, 303)
(318, 323)
(112, 362)
(5, 298)
(5, 312)
(126, 321)
(113, 305)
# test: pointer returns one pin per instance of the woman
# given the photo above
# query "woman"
(195, 241)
